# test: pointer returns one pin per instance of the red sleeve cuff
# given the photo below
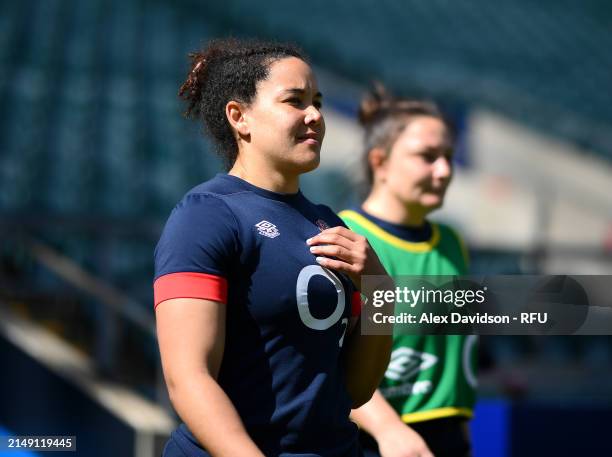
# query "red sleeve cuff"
(356, 304)
(190, 285)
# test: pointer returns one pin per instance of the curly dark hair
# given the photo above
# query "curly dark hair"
(385, 116)
(228, 69)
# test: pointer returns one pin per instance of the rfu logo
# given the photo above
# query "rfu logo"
(322, 224)
(268, 229)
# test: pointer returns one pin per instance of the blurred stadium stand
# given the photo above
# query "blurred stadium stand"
(94, 152)
(544, 63)
(61, 395)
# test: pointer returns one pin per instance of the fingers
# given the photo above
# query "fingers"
(334, 264)
(333, 250)
(352, 254)
(340, 249)
(331, 239)
(336, 235)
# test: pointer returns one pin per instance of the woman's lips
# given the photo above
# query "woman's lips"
(308, 140)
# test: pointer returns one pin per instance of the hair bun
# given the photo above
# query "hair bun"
(379, 103)
(375, 104)
(192, 89)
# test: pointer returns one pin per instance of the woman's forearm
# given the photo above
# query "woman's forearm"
(211, 417)
(366, 358)
(376, 415)
(394, 438)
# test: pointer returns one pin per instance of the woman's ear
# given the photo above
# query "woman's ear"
(377, 159)
(235, 115)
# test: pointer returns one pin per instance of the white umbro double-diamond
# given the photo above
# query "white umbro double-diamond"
(268, 229)
(406, 363)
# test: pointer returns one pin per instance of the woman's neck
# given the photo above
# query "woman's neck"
(266, 177)
(390, 209)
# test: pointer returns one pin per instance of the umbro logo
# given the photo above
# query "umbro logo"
(406, 363)
(268, 229)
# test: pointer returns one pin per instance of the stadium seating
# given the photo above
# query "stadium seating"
(90, 128)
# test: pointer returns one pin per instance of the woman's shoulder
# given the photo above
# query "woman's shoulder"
(451, 239)
(211, 195)
(204, 205)
(218, 186)
(448, 232)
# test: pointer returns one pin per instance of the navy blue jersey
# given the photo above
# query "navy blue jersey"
(287, 316)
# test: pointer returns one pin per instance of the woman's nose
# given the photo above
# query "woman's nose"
(443, 167)
(313, 115)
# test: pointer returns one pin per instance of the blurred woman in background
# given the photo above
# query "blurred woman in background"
(427, 394)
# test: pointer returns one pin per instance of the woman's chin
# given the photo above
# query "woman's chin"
(308, 161)
(432, 202)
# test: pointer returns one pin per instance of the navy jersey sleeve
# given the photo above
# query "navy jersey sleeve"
(194, 254)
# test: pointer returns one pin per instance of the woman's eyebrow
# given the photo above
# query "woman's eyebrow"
(300, 91)
(444, 149)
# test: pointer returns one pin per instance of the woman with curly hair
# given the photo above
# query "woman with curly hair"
(256, 288)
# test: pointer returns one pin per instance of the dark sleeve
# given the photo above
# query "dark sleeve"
(195, 251)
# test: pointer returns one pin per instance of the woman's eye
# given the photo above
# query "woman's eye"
(298, 102)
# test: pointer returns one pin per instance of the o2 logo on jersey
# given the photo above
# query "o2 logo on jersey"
(406, 363)
(301, 296)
